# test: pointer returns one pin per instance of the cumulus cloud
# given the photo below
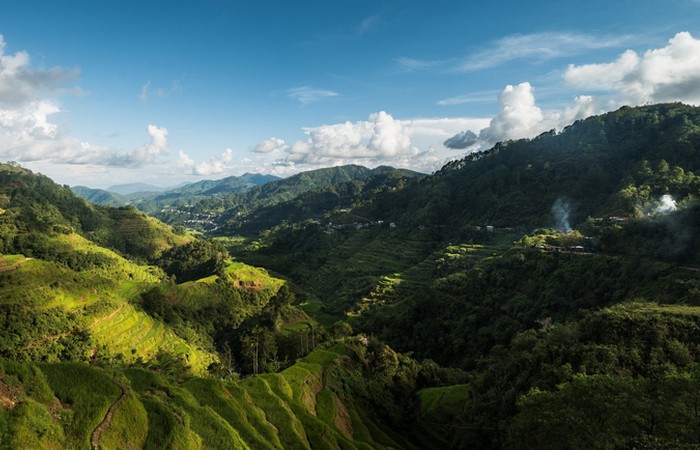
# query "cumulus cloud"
(307, 95)
(271, 145)
(27, 133)
(184, 160)
(217, 164)
(520, 117)
(148, 153)
(671, 73)
(379, 137)
(20, 83)
(461, 140)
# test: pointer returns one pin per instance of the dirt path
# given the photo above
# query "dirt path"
(97, 433)
(108, 316)
(15, 265)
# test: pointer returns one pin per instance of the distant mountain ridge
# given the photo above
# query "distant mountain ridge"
(233, 209)
(100, 196)
(132, 188)
(150, 199)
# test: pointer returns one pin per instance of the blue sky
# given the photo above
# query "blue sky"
(100, 93)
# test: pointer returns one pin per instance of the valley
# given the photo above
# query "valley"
(543, 293)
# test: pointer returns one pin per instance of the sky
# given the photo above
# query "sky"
(98, 93)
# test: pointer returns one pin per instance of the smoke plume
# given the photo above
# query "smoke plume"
(561, 210)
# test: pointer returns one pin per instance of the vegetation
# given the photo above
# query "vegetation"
(541, 294)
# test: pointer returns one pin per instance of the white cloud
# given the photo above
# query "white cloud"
(184, 160)
(148, 92)
(270, 146)
(307, 95)
(216, 165)
(518, 117)
(380, 137)
(671, 73)
(20, 83)
(476, 97)
(147, 153)
(538, 46)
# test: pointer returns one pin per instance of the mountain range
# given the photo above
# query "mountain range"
(543, 293)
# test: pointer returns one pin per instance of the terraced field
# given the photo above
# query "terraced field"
(134, 334)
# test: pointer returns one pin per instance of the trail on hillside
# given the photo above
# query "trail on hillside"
(14, 266)
(108, 316)
(97, 432)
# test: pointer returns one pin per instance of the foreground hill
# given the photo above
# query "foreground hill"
(100, 350)
(342, 397)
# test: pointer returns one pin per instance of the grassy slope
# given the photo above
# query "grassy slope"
(301, 407)
(103, 302)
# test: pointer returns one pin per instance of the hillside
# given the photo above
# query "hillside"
(151, 199)
(539, 317)
(101, 351)
(34, 207)
(617, 164)
(327, 187)
(342, 397)
(547, 289)
(100, 196)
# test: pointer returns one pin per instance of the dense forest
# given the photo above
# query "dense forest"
(544, 293)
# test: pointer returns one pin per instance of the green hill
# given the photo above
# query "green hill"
(334, 398)
(100, 196)
(34, 207)
(549, 289)
(556, 326)
(257, 208)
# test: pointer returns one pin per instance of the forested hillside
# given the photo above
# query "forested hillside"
(116, 332)
(544, 293)
(561, 272)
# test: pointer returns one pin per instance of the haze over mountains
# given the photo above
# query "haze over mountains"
(539, 294)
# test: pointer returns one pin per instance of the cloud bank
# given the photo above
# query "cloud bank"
(670, 73)
(27, 133)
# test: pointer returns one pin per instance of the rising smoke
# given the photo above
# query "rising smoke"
(561, 210)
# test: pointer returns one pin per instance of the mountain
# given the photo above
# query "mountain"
(596, 167)
(334, 201)
(100, 196)
(232, 210)
(133, 188)
(99, 349)
(152, 199)
(540, 294)
(224, 185)
(560, 272)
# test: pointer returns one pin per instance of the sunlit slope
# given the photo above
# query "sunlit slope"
(69, 405)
